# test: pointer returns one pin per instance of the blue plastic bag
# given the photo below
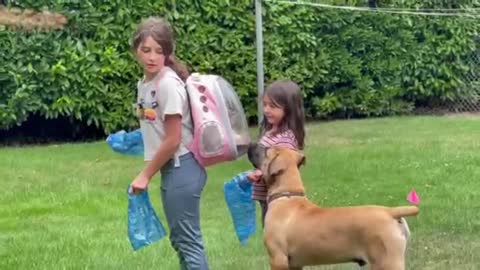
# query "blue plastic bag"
(238, 196)
(144, 227)
(127, 143)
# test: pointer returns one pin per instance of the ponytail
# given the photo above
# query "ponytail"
(177, 66)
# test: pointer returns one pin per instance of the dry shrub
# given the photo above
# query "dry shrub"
(29, 19)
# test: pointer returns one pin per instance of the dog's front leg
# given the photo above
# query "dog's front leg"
(278, 259)
(279, 262)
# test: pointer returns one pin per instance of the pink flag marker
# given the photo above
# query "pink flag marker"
(413, 197)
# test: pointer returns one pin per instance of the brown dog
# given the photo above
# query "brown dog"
(299, 233)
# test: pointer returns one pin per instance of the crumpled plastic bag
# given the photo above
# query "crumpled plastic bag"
(238, 196)
(144, 226)
(127, 143)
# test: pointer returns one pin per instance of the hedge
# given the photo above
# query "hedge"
(349, 64)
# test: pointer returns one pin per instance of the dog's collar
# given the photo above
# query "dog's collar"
(288, 194)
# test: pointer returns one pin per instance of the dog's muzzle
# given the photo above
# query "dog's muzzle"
(256, 154)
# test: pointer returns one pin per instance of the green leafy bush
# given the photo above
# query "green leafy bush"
(349, 64)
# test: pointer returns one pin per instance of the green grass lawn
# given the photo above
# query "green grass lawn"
(65, 206)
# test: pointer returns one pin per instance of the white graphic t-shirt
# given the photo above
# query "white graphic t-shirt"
(163, 95)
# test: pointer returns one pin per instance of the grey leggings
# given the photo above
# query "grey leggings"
(181, 189)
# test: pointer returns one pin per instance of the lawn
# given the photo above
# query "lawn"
(64, 206)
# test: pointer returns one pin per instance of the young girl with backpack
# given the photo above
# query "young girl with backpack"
(166, 125)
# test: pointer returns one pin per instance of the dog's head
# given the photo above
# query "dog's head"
(273, 161)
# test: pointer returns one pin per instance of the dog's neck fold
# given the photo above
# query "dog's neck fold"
(288, 181)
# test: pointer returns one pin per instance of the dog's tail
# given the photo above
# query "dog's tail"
(403, 211)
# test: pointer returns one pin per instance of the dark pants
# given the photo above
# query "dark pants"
(181, 189)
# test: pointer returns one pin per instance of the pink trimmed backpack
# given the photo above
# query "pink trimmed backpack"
(220, 128)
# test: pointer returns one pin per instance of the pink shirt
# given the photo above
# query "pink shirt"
(284, 139)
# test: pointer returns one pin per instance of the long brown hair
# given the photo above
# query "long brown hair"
(161, 31)
(287, 95)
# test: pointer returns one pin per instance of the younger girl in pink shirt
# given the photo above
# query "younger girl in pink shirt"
(283, 125)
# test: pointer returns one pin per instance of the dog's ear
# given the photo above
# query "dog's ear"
(276, 166)
(301, 159)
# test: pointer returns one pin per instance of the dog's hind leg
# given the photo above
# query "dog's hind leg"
(392, 259)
